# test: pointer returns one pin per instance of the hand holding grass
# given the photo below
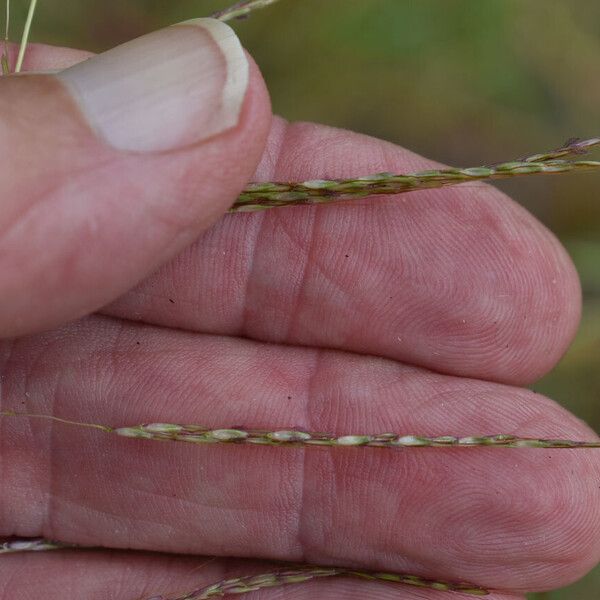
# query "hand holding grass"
(422, 315)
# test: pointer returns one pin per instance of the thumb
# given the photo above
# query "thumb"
(114, 165)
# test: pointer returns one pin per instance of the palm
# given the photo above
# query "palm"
(418, 315)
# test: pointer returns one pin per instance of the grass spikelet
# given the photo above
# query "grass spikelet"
(14, 546)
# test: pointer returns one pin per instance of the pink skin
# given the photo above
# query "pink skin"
(446, 301)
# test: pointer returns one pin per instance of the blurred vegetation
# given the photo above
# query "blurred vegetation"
(463, 81)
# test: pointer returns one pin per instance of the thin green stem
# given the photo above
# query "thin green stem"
(5, 63)
(261, 196)
(12, 413)
(241, 9)
(25, 37)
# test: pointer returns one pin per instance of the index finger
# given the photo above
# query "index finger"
(462, 281)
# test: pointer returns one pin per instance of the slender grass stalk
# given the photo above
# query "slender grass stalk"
(196, 434)
(4, 60)
(261, 196)
(240, 10)
(25, 37)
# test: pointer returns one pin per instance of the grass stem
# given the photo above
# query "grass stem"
(4, 60)
(25, 37)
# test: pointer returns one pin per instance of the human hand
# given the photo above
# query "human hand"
(420, 315)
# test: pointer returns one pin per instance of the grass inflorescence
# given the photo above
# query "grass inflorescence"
(293, 438)
(290, 437)
(261, 196)
(243, 585)
(241, 10)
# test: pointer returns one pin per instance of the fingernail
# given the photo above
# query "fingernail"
(166, 90)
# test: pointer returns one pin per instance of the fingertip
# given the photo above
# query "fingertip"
(516, 306)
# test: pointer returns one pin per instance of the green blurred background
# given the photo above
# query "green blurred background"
(466, 82)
